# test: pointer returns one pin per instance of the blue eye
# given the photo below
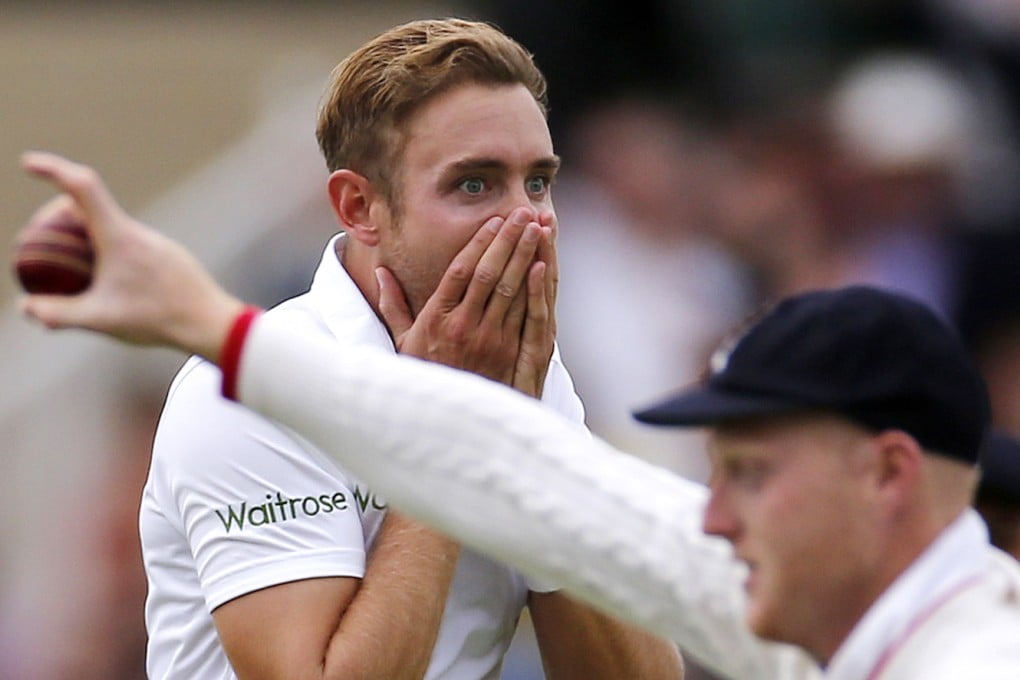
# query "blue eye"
(537, 185)
(473, 186)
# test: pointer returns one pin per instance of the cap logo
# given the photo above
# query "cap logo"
(721, 356)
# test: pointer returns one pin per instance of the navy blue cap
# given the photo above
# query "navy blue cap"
(875, 357)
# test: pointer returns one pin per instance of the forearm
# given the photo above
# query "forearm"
(495, 470)
(390, 628)
(578, 642)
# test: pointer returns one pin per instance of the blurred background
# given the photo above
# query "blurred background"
(717, 154)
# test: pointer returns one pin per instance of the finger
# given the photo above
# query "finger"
(513, 322)
(80, 182)
(57, 311)
(36, 308)
(536, 336)
(513, 280)
(488, 274)
(452, 287)
(537, 318)
(547, 254)
(393, 303)
(548, 219)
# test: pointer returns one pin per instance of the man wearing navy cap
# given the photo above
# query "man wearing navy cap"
(845, 431)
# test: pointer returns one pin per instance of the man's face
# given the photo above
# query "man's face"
(471, 153)
(792, 495)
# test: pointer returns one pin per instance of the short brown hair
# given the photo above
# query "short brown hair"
(373, 92)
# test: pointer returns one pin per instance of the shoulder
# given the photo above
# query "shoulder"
(301, 313)
(993, 603)
(979, 629)
(203, 438)
(987, 649)
(194, 390)
(195, 395)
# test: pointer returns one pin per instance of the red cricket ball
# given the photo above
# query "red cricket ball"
(54, 257)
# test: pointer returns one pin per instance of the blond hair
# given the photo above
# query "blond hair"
(375, 90)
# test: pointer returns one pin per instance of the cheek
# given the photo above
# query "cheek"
(442, 227)
(809, 545)
(421, 249)
(788, 527)
(785, 554)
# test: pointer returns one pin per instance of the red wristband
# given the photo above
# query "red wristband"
(230, 354)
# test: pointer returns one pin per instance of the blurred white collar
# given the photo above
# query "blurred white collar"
(952, 562)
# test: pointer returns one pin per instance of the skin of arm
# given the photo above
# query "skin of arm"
(646, 562)
(375, 627)
(578, 642)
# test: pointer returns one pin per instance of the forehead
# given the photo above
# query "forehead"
(809, 436)
(501, 122)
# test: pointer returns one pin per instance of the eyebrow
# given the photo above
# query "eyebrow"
(551, 163)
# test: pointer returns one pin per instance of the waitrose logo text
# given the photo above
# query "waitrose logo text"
(278, 508)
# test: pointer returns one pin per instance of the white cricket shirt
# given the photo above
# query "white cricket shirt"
(235, 503)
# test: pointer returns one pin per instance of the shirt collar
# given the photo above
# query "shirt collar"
(956, 556)
(341, 304)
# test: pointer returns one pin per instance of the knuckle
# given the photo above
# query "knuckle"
(488, 343)
(485, 275)
(458, 333)
(506, 289)
(459, 271)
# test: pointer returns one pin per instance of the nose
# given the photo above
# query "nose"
(720, 519)
(518, 197)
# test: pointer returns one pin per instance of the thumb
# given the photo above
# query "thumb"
(80, 182)
(392, 303)
(53, 311)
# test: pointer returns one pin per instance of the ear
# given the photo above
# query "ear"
(900, 468)
(352, 197)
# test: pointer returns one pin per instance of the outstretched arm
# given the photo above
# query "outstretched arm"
(505, 476)
(484, 463)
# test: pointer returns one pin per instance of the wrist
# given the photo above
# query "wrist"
(229, 355)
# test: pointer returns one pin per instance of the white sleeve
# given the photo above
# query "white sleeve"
(494, 469)
(255, 507)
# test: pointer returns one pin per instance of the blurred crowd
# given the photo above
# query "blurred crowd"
(717, 154)
(720, 155)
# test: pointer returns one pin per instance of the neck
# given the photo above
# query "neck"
(903, 542)
(360, 264)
